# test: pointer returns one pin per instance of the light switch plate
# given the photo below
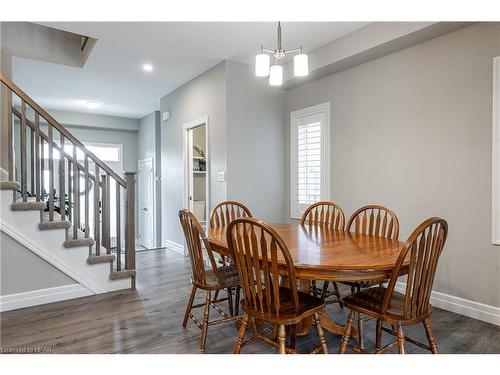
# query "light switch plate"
(221, 176)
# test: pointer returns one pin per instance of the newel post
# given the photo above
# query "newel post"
(130, 224)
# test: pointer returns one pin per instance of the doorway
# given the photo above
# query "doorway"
(146, 206)
(196, 187)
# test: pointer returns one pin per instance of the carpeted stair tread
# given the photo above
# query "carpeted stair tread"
(57, 224)
(9, 185)
(27, 206)
(95, 259)
(79, 242)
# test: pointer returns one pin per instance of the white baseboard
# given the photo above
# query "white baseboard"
(462, 306)
(42, 296)
(174, 246)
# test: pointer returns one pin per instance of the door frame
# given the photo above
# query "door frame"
(152, 159)
(202, 121)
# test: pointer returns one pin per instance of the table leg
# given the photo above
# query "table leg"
(305, 326)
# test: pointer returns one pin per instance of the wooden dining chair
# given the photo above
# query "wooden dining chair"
(210, 280)
(372, 220)
(261, 257)
(331, 216)
(227, 211)
(221, 216)
(418, 259)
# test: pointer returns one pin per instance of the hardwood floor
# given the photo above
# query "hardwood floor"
(148, 320)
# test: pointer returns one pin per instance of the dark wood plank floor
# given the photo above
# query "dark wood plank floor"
(148, 320)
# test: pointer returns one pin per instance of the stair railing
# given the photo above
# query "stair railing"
(36, 154)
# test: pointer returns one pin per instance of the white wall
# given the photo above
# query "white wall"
(412, 131)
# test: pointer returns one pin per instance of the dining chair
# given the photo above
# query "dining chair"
(257, 250)
(227, 211)
(418, 259)
(221, 215)
(374, 220)
(331, 216)
(210, 280)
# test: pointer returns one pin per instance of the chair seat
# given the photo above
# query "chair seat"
(308, 305)
(228, 274)
(369, 301)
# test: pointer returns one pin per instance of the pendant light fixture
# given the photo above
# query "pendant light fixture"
(263, 67)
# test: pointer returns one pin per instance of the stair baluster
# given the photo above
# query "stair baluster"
(76, 194)
(87, 186)
(32, 161)
(22, 135)
(38, 141)
(97, 212)
(130, 224)
(118, 239)
(62, 182)
(51, 173)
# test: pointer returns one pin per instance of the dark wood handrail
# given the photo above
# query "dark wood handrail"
(61, 129)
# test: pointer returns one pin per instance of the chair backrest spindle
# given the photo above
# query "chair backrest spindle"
(324, 213)
(225, 212)
(374, 220)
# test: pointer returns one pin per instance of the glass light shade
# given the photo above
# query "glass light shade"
(300, 65)
(262, 62)
(276, 75)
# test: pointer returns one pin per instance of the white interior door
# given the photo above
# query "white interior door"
(146, 201)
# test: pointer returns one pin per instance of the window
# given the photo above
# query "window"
(105, 152)
(310, 136)
(496, 153)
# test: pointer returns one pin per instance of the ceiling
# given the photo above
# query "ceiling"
(179, 51)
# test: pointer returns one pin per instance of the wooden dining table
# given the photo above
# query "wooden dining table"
(324, 254)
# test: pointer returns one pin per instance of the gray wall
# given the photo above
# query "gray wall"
(21, 270)
(246, 134)
(149, 146)
(91, 120)
(255, 143)
(103, 129)
(38, 42)
(203, 96)
(412, 131)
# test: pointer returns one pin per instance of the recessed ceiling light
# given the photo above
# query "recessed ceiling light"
(92, 104)
(147, 67)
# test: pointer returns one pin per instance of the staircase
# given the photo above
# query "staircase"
(56, 199)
